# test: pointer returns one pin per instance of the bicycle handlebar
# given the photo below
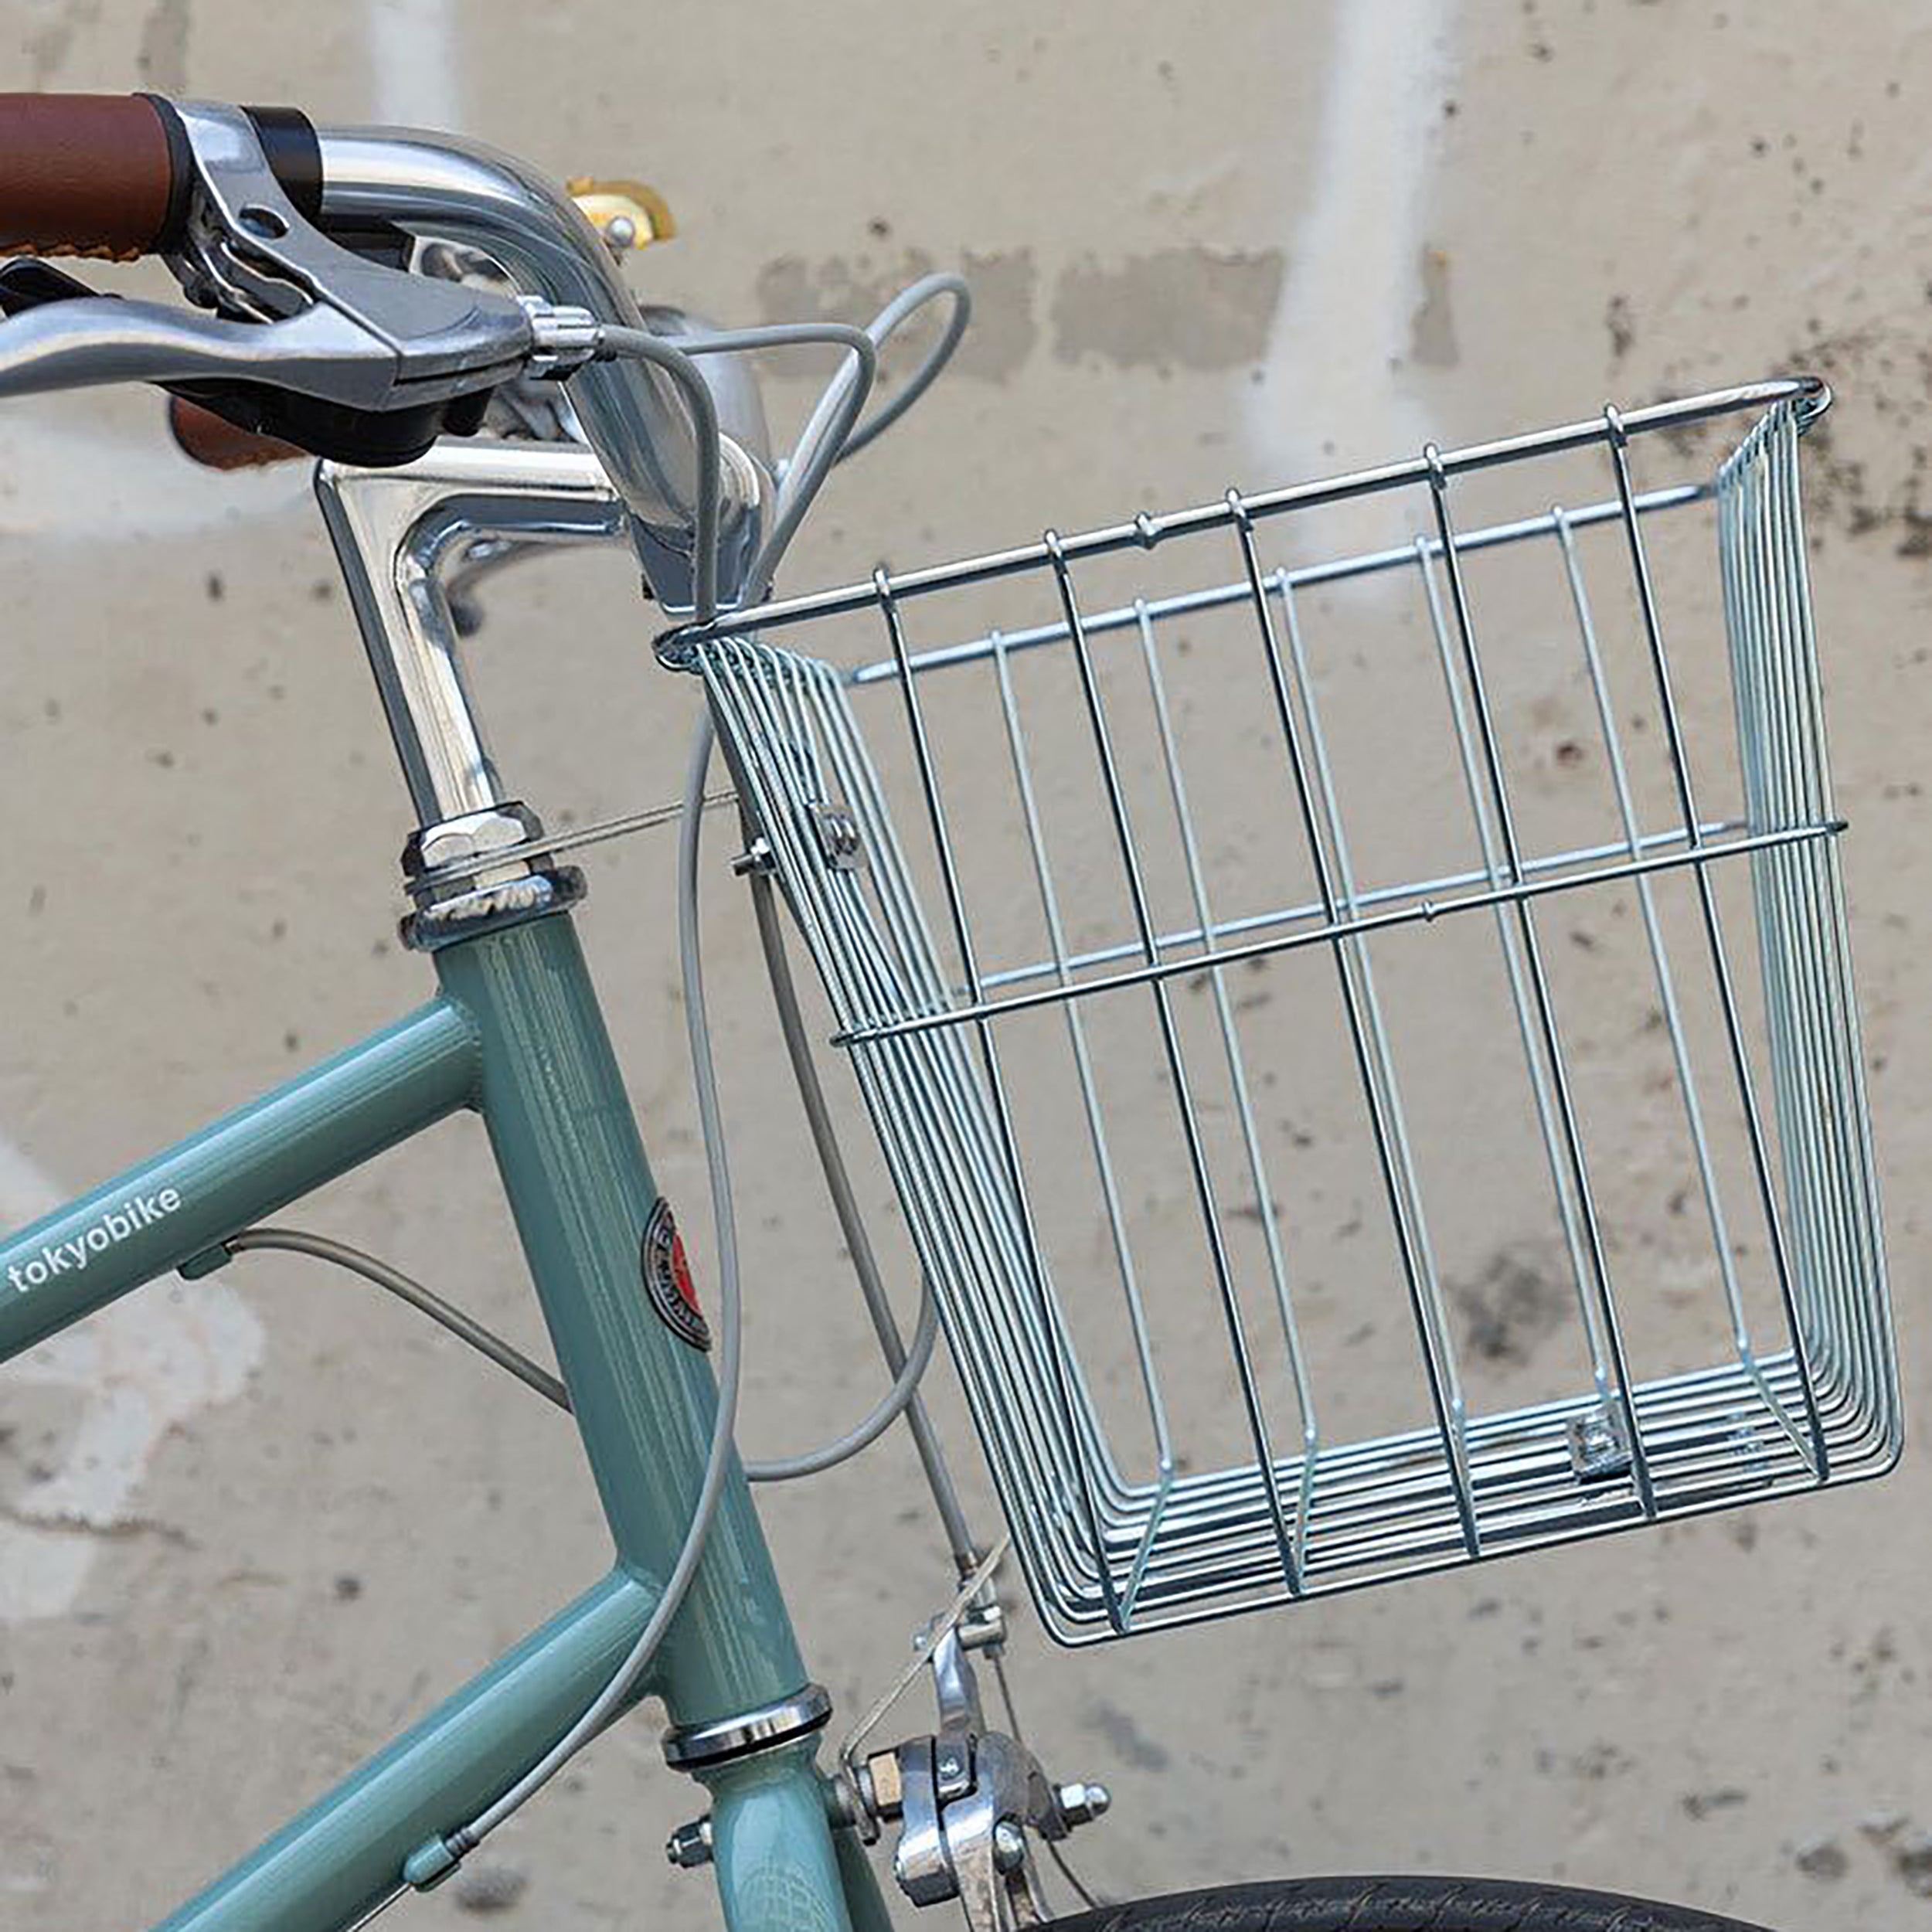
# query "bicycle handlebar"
(110, 176)
(99, 174)
(307, 326)
(216, 443)
(269, 227)
(633, 414)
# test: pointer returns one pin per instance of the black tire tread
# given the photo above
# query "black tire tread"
(1396, 1905)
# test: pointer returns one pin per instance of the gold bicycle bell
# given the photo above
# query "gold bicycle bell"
(629, 215)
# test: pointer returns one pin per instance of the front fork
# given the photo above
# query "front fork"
(778, 1862)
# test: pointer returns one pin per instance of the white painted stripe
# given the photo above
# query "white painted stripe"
(26, 1192)
(413, 67)
(141, 1367)
(1354, 269)
(88, 475)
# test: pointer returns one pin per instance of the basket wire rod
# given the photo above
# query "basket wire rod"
(1083, 1065)
(1775, 705)
(1418, 1558)
(975, 1188)
(997, 1322)
(1445, 1392)
(1171, 1047)
(1373, 1483)
(1873, 1319)
(1296, 577)
(1370, 1477)
(1381, 1058)
(1513, 971)
(1873, 1315)
(782, 826)
(1265, 1204)
(1438, 481)
(1410, 1466)
(1844, 1201)
(1666, 987)
(1653, 930)
(1693, 1422)
(956, 905)
(1801, 1027)
(944, 1492)
(930, 1089)
(1713, 932)
(1230, 1030)
(1805, 950)
(1145, 531)
(1349, 900)
(1812, 1137)
(1372, 896)
(1695, 1433)
(939, 1093)
(1422, 912)
(1137, 1572)
(1015, 1361)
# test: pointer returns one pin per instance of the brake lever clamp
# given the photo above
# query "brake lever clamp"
(250, 256)
(303, 338)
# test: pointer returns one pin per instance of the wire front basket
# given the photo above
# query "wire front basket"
(1388, 1093)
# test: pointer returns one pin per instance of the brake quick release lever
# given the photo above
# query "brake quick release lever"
(304, 337)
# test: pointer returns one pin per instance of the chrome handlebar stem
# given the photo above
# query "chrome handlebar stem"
(636, 420)
(395, 531)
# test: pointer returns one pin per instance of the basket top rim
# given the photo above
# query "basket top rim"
(1811, 394)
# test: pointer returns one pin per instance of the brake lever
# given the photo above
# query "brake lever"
(304, 339)
(88, 340)
(250, 255)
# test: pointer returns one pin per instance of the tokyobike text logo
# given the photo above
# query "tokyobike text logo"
(64, 1257)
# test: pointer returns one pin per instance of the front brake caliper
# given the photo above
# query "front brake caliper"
(969, 1801)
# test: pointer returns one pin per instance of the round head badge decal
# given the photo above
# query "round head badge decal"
(667, 1278)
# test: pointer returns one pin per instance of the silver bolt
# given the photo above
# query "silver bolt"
(983, 1627)
(840, 844)
(1009, 1846)
(689, 1845)
(621, 232)
(1081, 1804)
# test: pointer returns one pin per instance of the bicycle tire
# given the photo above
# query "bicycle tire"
(1396, 1905)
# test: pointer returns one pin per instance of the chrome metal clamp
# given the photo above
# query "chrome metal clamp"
(479, 871)
(695, 1747)
(698, 1748)
(440, 187)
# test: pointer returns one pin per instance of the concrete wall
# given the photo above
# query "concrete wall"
(248, 1528)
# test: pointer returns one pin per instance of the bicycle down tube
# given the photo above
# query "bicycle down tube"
(516, 1034)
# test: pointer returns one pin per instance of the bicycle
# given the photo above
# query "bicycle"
(377, 299)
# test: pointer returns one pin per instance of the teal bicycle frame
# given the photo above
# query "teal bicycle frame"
(514, 1033)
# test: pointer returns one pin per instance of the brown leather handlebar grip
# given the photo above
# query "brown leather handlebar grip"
(216, 443)
(99, 174)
